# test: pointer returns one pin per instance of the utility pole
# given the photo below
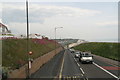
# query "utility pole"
(28, 71)
(55, 40)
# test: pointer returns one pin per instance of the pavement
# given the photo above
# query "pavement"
(64, 66)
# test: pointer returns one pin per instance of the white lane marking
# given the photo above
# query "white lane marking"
(105, 70)
(78, 64)
(60, 76)
(74, 59)
(87, 78)
(82, 70)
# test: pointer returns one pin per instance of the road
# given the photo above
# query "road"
(51, 68)
(65, 66)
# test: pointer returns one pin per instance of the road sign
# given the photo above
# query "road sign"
(30, 52)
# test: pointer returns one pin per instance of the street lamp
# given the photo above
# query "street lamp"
(56, 29)
(55, 36)
(28, 53)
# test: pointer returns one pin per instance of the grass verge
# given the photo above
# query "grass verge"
(14, 51)
(108, 50)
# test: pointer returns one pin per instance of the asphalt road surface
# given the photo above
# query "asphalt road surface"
(66, 67)
(51, 68)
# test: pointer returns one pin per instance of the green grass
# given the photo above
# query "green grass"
(108, 50)
(0, 52)
(14, 51)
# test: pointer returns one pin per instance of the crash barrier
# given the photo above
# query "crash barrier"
(36, 64)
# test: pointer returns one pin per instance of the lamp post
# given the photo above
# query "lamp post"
(28, 53)
(55, 36)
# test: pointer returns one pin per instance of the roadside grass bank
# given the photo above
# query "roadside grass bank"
(104, 49)
(14, 51)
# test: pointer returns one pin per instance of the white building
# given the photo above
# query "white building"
(4, 30)
(35, 36)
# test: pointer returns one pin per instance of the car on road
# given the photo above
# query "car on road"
(72, 50)
(86, 57)
(77, 54)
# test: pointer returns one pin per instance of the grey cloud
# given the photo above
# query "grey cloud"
(38, 13)
(13, 15)
(17, 15)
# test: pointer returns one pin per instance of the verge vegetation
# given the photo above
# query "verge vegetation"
(108, 50)
(14, 51)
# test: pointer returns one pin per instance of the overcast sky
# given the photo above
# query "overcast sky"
(92, 21)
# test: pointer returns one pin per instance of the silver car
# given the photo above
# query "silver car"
(77, 54)
(86, 58)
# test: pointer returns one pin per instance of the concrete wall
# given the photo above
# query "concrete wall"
(36, 64)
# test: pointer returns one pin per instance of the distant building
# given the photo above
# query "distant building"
(21, 36)
(4, 30)
(35, 36)
(81, 41)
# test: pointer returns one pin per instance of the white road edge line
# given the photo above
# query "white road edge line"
(105, 70)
